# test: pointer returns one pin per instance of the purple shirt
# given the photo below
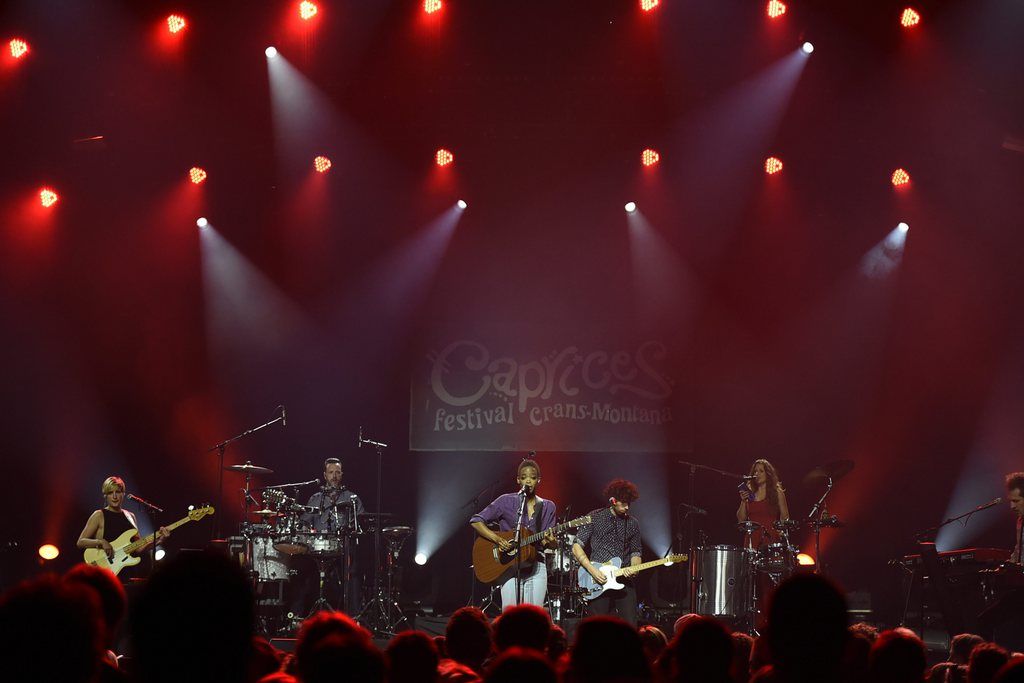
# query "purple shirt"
(503, 510)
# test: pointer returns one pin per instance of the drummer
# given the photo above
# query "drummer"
(330, 509)
(763, 500)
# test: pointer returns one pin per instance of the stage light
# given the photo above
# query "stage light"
(48, 197)
(649, 157)
(900, 177)
(421, 559)
(270, 52)
(322, 164)
(431, 6)
(772, 165)
(630, 207)
(804, 560)
(49, 551)
(462, 204)
(775, 9)
(19, 48)
(807, 48)
(648, 5)
(909, 18)
(160, 553)
(902, 227)
(202, 222)
(176, 23)
(443, 157)
(196, 175)
(307, 10)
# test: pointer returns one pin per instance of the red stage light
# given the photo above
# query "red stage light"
(648, 5)
(322, 164)
(900, 177)
(431, 6)
(307, 10)
(775, 9)
(909, 18)
(19, 48)
(48, 197)
(772, 165)
(175, 23)
(649, 157)
(196, 175)
(444, 157)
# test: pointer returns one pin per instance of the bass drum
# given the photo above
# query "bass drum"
(722, 577)
(559, 560)
(268, 562)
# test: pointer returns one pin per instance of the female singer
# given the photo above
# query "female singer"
(763, 500)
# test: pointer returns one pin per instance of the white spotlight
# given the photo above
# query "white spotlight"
(202, 222)
(807, 48)
(902, 227)
(421, 559)
(271, 52)
(159, 553)
(630, 207)
(461, 204)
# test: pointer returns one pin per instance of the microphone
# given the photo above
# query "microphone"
(693, 509)
(284, 417)
(522, 490)
(749, 477)
(359, 439)
(991, 503)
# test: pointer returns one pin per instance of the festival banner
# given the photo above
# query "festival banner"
(470, 394)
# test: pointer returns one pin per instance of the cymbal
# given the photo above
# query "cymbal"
(266, 513)
(250, 468)
(837, 469)
(371, 515)
(396, 532)
(748, 526)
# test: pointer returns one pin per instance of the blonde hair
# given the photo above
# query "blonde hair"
(110, 484)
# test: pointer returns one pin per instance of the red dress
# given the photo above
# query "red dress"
(764, 513)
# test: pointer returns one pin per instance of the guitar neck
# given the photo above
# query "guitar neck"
(555, 530)
(649, 565)
(132, 547)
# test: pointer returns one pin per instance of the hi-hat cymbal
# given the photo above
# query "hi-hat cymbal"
(748, 526)
(837, 469)
(266, 513)
(249, 468)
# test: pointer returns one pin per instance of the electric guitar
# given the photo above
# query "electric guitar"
(612, 569)
(492, 566)
(125, 548)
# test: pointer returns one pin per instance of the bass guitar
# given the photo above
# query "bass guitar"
(612, 569)
(492, 566)
(125, 548)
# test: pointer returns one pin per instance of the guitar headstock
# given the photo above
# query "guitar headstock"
(580, 521)
(673, 559)
(198, 513)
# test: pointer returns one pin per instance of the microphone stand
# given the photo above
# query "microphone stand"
(220, 448)
(694, 575)
(930, 533)
(519, 555)
(154, 512)
(384, 611)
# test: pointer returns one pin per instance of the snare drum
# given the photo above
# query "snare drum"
(778, 558)
(722, 575)
(324, 545)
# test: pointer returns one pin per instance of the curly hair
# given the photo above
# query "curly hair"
(622, 489)
(1015, 480)
(772, 484)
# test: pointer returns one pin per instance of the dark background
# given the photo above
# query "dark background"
(116, 360)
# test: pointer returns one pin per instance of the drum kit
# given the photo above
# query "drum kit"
(728, 582)
(268, 549)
